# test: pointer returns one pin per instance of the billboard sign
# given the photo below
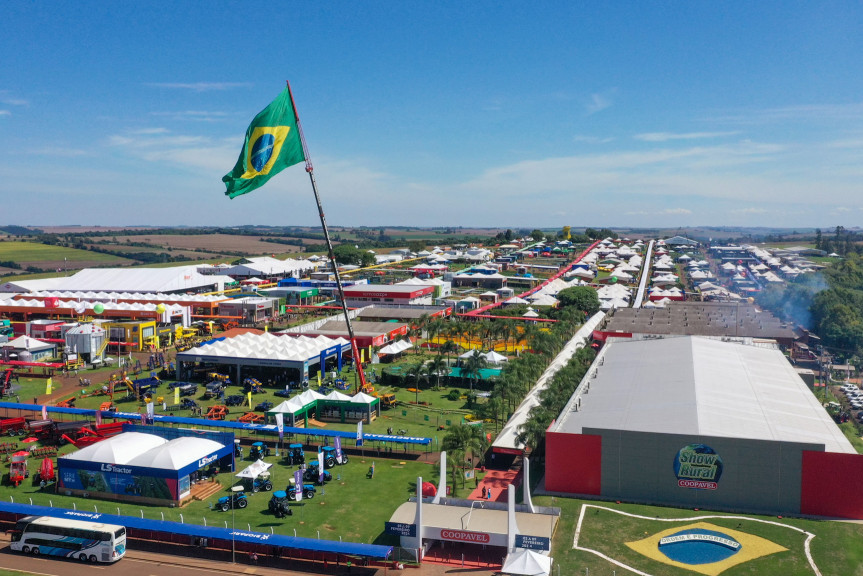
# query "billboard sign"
(532, 542)
(465, 536)
(698, 466)
(400, 529)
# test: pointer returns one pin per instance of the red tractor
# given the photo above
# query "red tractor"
(18, 468)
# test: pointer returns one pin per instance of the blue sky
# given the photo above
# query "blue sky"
(437, 113)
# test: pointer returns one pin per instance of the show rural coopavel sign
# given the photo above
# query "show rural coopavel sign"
(698, 466)
(465, 536)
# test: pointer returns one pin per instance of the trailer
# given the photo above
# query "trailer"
(13, 426)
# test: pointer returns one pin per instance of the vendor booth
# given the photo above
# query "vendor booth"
(158, 466)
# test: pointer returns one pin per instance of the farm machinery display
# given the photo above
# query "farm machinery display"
(312, 473)
(279, 504)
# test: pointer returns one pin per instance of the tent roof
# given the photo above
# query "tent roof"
(177, 453)
(289, 406)
(363, 398)
(337, 396)
(268, 346)
(119, 449)
(495, 358)
(395, 347)
(27, 343)
(256, 469)
(526, 563)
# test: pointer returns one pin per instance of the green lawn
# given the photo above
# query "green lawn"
(837, 547)
(351, 506)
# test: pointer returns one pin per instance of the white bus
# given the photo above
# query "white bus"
(85, 541)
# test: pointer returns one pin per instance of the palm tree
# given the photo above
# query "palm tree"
(472, 367)
(434, 367)
(460, 440)
(416, 373)
(448, 347)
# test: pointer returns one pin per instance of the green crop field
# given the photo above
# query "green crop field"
(837, 547)
(34, 254)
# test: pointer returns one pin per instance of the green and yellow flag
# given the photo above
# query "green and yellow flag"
(272, 144)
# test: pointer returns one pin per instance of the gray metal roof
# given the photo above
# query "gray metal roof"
(699, 386)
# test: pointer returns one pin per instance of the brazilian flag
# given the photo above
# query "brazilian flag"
(272, 144)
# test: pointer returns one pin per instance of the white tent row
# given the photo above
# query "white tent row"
(84, 307)
(396, 347)
(507, 437)
(491, 357)
(114, 296)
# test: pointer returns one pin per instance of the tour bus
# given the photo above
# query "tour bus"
(84, 541)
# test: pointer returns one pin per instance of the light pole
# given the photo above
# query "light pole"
(235, 492)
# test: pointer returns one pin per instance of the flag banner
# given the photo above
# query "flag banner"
(338, 447)
(272, 144)
(151, 410)
(44, 412)
(249, 395)
(360, 433)
(177, 395)
(48, 385)
(98, 417)
(298, 485)
(319, 379)
(280, 424)
(320, 465)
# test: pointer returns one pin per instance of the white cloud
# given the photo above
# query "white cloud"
(597, 103)
(666, 136)
(676, 211)
(149, 131)
(750, 211)
(592, 139)
(5, 113)
(200, 86)
(61, 152)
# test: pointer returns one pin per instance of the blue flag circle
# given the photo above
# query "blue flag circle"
(262, 150)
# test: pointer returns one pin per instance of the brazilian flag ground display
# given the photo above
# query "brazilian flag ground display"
(272, 144)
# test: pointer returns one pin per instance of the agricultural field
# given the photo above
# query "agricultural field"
(52, 257)
(214, 243)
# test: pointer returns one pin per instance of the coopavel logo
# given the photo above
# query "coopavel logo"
(698, 466)
(462, 536)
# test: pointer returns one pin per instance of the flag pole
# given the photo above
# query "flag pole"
(311, 171)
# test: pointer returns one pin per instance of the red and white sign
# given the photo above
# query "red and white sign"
(463, 536)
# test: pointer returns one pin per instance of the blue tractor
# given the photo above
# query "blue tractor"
(295, 454)
(280, 504)
(308, 491)
(330, 457)
(235, 500)
(258, 451)
(262, 482)
(312, 473)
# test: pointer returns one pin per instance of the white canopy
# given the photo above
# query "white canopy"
(396, 347)
(363, 398)
(526, 563)
(530, 314)
(119, 449)
(177, 453)
(290, 406)
(337, 396)
(255, 470)
(515, 300)
(495, 358)
(27, 343)
(470, 353)
(309, 396)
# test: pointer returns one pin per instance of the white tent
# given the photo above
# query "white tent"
(396, 347)
(363, 398)
(495, 358)
(28, 343)
(515, 300)
(308, 397)
(287, 407)
(530, 314)
(118, 449)
(177, 453)
(527, 563)
(255, 470)
(470, 353)
(337, 396)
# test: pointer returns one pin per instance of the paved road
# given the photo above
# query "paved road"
(139, 563)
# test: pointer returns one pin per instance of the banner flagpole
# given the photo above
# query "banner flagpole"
(311, 171)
